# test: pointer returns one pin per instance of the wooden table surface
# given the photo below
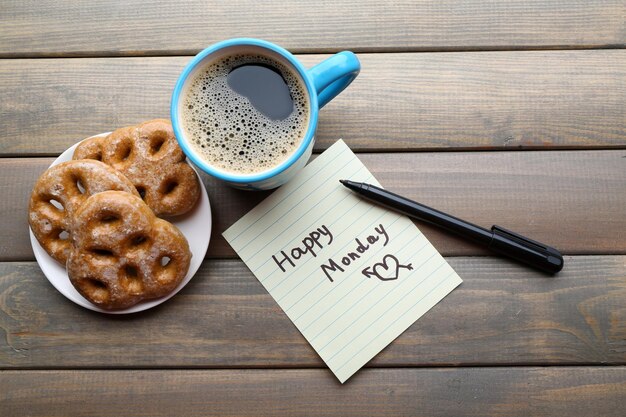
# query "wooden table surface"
(507, 112)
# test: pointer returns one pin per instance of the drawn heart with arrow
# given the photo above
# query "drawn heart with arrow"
(387, 270)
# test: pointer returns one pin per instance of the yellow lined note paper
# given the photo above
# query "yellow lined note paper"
(352, 276)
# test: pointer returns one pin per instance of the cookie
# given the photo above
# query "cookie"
(122, 253)
(58, 194)
(149, 155)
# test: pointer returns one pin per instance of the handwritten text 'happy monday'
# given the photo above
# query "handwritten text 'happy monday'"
(321, 237)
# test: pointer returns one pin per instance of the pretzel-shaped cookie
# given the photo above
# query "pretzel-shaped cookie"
(149, 155)
(123, 254)
(58, 194)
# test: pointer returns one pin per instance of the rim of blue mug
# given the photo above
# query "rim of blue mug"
(260, 176)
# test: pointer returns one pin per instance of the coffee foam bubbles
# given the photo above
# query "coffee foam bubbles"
(228, 132)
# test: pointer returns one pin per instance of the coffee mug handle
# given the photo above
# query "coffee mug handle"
(334, 74)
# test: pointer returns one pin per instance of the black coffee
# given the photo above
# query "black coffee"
(245, 113)
(264, 87)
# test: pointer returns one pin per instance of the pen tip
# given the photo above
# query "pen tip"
(344, 182)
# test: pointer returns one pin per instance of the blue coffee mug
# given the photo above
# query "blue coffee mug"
(323, 82)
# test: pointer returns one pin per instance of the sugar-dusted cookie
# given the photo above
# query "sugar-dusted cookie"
(58, 194)
(149, 155)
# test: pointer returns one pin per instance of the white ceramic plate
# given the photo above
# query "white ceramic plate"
(195, 225)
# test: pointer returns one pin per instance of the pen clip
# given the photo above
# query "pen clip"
(521, 239)
(534, 253)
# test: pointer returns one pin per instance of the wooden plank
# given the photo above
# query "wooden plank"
(509, 392)
(491, 100)
(502, 314)
(572, 200)
(52, 28)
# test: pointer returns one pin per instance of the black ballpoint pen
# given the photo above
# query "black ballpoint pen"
(497, 239)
